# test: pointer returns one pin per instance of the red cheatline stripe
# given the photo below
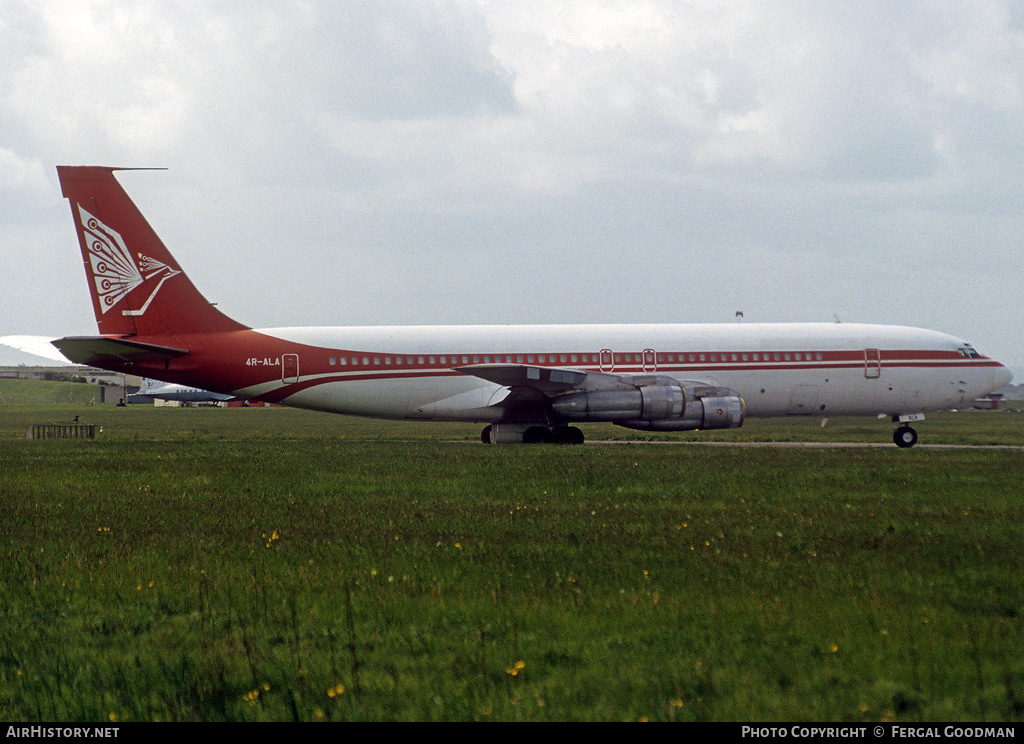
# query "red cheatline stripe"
(395, 373)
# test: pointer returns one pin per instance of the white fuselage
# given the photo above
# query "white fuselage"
(778, 369)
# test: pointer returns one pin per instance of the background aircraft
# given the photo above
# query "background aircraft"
(180, 393)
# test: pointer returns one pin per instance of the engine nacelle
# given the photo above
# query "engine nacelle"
(644, 404)
(662, 406)
(719, 412)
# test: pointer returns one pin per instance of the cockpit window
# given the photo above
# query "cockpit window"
(968, 351)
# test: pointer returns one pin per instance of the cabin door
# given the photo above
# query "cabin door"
(872, 363)
(290, 368)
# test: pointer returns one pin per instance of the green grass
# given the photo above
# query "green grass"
(49, 393)
(269, 564)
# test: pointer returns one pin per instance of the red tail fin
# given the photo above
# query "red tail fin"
(137, 287)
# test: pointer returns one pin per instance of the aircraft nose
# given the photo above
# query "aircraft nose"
(1001, 377)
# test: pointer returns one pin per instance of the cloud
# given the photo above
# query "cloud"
(524, 159)
(557, 94)
(20, 174)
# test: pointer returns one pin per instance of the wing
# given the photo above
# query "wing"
(653, 402)
(549, 382)
(39, 346)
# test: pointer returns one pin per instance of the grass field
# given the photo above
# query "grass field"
(269, 564)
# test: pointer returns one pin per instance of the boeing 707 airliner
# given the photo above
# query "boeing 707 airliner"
(526, 383)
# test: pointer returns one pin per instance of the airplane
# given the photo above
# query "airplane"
(529, 384)
(174, 392)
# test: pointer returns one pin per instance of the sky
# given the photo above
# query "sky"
(497, 161)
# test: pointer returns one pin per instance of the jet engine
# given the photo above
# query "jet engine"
(667, 405)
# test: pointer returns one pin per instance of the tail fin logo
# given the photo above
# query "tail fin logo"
(115, 273)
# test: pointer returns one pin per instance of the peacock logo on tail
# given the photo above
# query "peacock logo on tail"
(115, 273)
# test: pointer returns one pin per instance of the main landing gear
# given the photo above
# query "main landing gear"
(530, 434)
(905, 436)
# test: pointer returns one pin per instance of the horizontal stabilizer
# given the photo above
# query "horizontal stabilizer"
(94, 349)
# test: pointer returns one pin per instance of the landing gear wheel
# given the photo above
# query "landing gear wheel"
(536, 435)
(485, 435)
(567, 435)
(905, 436)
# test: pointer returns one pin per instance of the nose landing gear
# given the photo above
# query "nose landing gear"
(904, 436)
